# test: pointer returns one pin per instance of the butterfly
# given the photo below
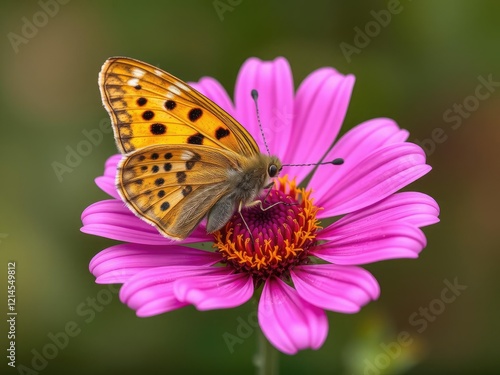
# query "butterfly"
(184, 157)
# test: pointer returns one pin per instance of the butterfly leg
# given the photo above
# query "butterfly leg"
(240, 207)
(260, 202)
(268, 188)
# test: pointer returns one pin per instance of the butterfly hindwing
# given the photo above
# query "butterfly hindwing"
(149, 106)
(173, 187)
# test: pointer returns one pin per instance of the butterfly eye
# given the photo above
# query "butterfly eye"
(272, 170)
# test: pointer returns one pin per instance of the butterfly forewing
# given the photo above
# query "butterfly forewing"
(149, 106)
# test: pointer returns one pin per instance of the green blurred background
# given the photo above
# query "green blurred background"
(429, 57)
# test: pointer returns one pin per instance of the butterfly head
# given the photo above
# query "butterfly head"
(274, 167)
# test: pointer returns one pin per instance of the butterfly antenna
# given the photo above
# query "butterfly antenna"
(255, 97)
(337, 161)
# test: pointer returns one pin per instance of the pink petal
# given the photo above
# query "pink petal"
(163, 303)
(377, 242)
(210, 292)
(111, 165)
(112, 219)
(382, 173)
(338, 288)
(354, 147)
(413, 208)
(150, 292)
(320, 107)
(120, 262)
(289, 322)
(107, 182)
(212, 89)
(274, 82)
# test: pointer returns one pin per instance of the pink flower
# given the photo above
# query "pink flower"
(303, 269)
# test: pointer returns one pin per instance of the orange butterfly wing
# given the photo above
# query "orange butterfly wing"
(170, 185)
(150, 106)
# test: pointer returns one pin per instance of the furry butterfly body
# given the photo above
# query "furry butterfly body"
(185, 158)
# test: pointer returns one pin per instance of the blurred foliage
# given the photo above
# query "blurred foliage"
(427, 57)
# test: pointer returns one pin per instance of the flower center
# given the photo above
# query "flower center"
(282, 232)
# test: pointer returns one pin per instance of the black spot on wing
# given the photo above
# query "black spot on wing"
(158, 129)
(148, 115)
(221, 133)
(195, 114)
(196, 139)
(181, 177)
(170, 104)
